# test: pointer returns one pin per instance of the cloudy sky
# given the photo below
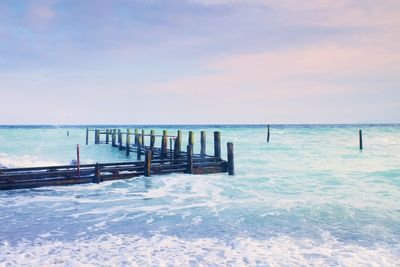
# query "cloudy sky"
(199, 61)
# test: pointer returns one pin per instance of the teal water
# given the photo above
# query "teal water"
(309, 197)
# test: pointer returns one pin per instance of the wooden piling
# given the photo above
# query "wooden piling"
(152, 140)
(147, 163)
(113, 137)
(171, 154)
(179, 142)
(164, 144)
(231, 165)
(87, 136)
(139, 148)
(191, 138)
(268, 134)
(136, 136)
(360, 139)
(120, 139)
(128, 142)
(189, 154)
(78, 161)
(217, 144)
(97, 137)
(143, 135)
(97, 174)
(203, 144)
(107, 136)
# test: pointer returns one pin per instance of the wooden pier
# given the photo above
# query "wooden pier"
(156, 160)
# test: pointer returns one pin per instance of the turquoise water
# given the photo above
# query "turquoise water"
(309, 197)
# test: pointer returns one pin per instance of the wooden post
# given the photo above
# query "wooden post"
(360, 139)
(97, 137)
(78, 161)
(136, 136)
(128, 142)
(231, 165)
(217, 144)
(189, 159)
(164, 144)
(87, 136)
(147, 163)
(97, 173)
(139, 148)
(113, 137)
(119, 139)
(268, 134)
(143, 138)
(171, 151)
(152, 140)
(191, 138)
(179, 142)
(107, 136)
(203, 144)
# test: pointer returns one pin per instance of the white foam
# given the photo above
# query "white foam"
(161, 250)
(25, 161)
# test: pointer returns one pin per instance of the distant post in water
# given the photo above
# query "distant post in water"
(78, 162)
(268, 134)
(203, 144)
(217, 144)
(152, 140)
(164, 144)
(143, 138)
(107, 136)
(67, 133)
(147, 163)
(97, 173)
(97, 137)
(231, 165)
(136, 136)
(139, 148)
(191, 139)
(113, 137)
(360, 139)
(128, 141)
(189, 153)
(171, 154)
(87, 136)
(120, 139)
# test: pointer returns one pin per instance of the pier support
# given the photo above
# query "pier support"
(189, 154)
(217, 144)
(114, 137)
(164, 144)
(97, 173)
(360, 139)
(87, 136)
(139, 148)
(152, 140)
(203, 144)
(107, 136)
(268, 134)
(231, 165)
(136, 136)
(147, 163)
(191, 138)
(143, 133)
(128, 142)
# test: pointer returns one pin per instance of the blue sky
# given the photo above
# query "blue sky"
(199, 61)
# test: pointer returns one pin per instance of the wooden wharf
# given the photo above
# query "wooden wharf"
(150, 160)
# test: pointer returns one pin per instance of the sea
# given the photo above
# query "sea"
(309, 197)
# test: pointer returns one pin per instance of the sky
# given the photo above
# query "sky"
(199, 61)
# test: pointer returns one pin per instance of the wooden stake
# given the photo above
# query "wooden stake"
(139, 148)
(136, 136)
(217, 144)
(179, 142)
(107, 136)
(119, 139)
(231, 166)
(87, 136)
(268, 134)
(97, 173)
(170, 151)
(203, 144)
(360, 139)
(164, 144)
(189, 159)
(128, 142)
(152, 141)
(147, 163)
(143, 144)
(78, 162)
(191, 139)
(113, 137)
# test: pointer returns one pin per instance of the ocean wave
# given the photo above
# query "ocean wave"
(162, 250)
